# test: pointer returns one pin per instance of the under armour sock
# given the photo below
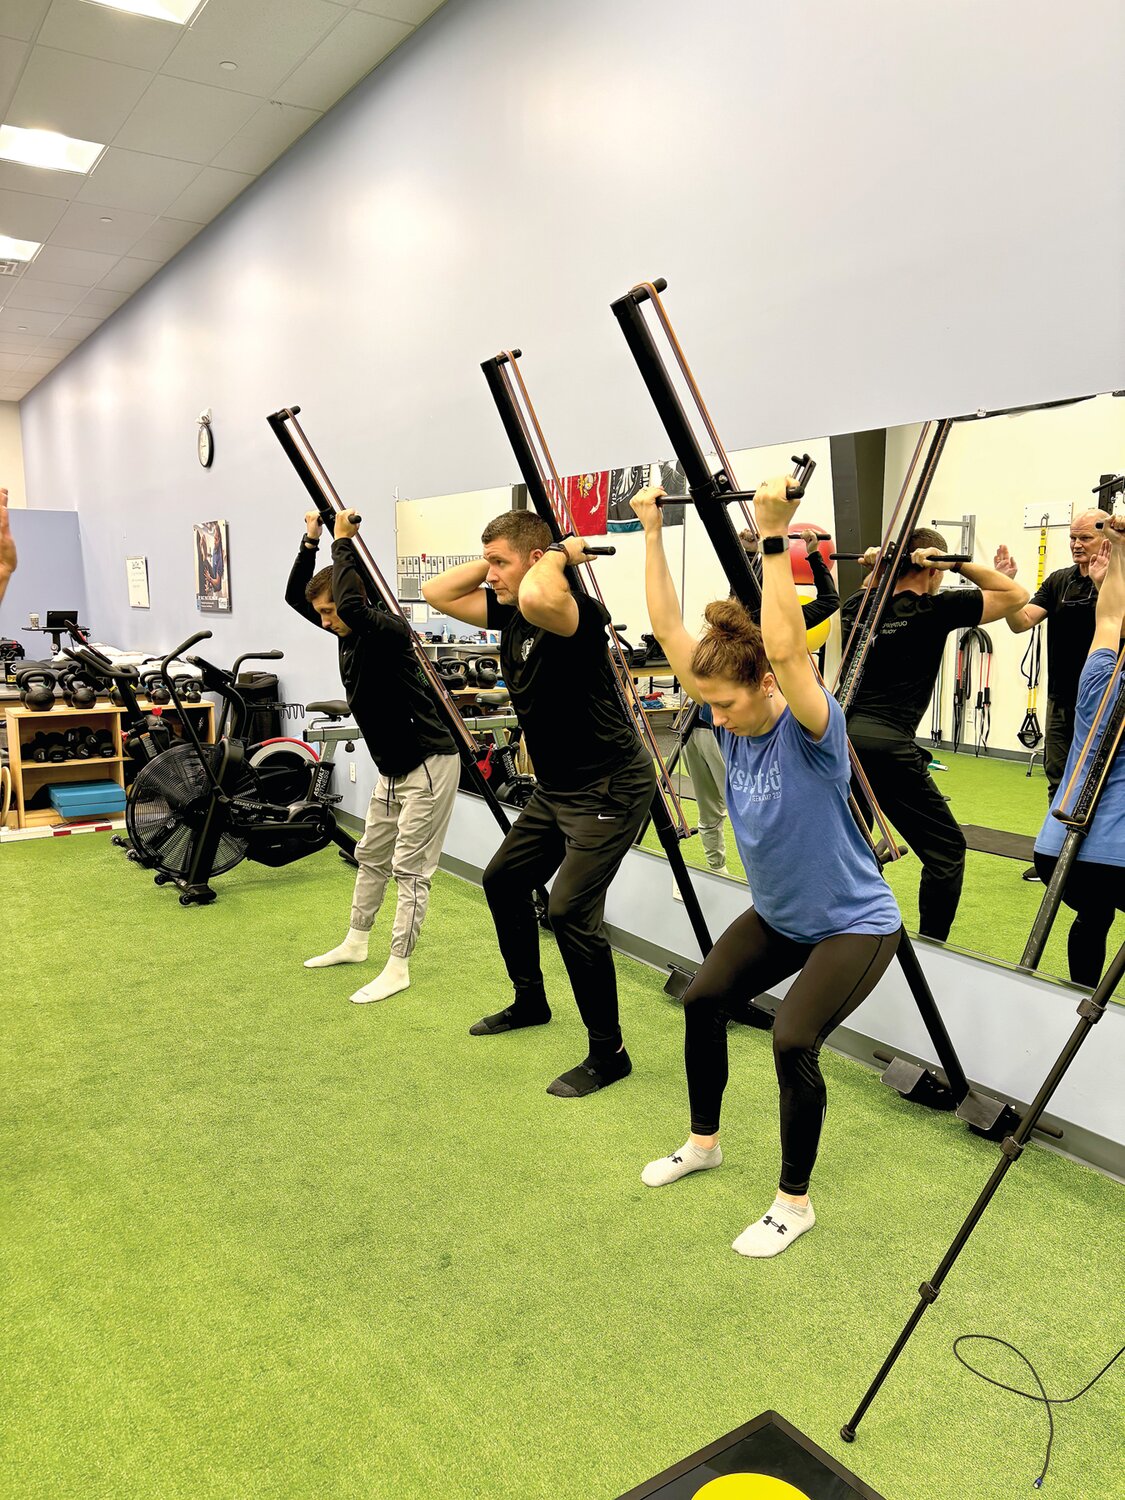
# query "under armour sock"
(689, 1158)
(775, 1231)
(394, 977)
(528, 1009)
(353, 950)
(596, 1072)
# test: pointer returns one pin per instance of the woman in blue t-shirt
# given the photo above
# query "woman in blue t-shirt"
(1095, 886)
(821, 911)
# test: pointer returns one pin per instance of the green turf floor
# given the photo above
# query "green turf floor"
(997, 906)
(260, 1242)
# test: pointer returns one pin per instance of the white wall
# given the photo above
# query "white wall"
(993, 469)
(11, 454)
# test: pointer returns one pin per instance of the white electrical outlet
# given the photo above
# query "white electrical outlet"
(351, 770)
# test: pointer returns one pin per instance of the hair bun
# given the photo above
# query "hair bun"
(730, 621)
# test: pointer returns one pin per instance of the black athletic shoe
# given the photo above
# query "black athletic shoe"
(590, 1076)
(510, 1019)
(1032, 874)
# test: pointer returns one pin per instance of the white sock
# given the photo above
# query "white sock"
(353, 950)
(395, 977)
(689, 1158)
(776, 1230)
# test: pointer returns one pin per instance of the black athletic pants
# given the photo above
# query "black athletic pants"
(1058, 732)
(1096, 893)
(835, 976)
(583, 835)
(908, 794)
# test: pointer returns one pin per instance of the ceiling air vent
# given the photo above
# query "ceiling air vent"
(11, 267)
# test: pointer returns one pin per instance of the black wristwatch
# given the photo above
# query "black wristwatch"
(310, 543)
(556, 547)
(771, 545)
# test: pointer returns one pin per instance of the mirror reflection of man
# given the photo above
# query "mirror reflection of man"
(897, 684)
(7, 545)
(1067, 600)
(594, 779)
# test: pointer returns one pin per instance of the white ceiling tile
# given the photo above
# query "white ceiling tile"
(272, 130)
(80, 96)
(20, 320)
(209, 194)
(266, 38)
(28, 216)
(21, 18)
(39, 364)
(45, 296)
(12, 58)
(100, 302)
(76, 267)
(81, 228)
(10, 362)
(56, 345)
(412, 11)
(165, 238)
(96, 31)
(79, 328)
(129, 274)
(344, 57)
(134, 180)
(186, 120)
(19, 343)
(16, 178)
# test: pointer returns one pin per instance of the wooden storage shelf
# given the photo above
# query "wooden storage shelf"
(28, 777)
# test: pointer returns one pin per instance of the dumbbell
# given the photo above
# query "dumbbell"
(55, 746)
(103, 743)
(36, 747)
(37, 688)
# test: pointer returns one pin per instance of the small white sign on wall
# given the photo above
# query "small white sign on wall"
(136, 572)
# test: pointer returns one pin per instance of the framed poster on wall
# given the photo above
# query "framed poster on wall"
(212, 567)
(136, 576)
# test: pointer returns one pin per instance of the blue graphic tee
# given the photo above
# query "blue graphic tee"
(1105, 842)
(811, 873)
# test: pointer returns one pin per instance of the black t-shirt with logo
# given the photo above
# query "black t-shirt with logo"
(902, 666)
(1071, 603)
(565, 696)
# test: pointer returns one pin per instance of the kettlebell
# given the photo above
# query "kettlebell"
(155, 689)
(487, 670)
(452, 671)
(37, 689)
(77, 690)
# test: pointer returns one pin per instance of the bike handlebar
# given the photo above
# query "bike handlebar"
(200, 635)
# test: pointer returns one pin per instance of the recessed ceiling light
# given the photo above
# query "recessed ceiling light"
(47, 149)
(105, 219)
(11, 249)
(21, 327)
(230, 66)
(179, 11)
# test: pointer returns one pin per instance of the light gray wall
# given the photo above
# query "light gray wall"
(867, 214)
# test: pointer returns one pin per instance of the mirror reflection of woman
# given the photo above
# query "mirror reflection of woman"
(822, 911)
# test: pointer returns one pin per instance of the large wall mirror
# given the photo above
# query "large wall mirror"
(998, 480)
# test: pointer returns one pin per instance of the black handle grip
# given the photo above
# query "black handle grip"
(601, 551)
(660, 284)
(200, 635)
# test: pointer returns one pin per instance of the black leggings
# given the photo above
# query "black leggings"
(1097, 893)
(834, 977)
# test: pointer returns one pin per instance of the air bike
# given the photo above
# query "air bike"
(196, 810)
(547, 495)
(642, 318)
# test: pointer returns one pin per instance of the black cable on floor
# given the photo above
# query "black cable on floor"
(1042, 1397)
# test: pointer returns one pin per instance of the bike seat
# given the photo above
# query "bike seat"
(493, 695)
(335, 708)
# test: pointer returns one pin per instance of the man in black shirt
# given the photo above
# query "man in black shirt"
(897, 683)
(594, 779)
(1067, 599)
(418, 764)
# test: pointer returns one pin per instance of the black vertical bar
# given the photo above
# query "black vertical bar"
(858, 466)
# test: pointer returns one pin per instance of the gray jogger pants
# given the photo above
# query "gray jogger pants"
(405, 827)
(708, 772)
